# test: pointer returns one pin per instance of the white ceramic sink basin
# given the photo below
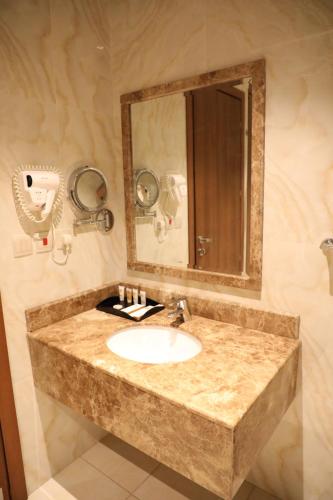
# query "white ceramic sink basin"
(154, 344)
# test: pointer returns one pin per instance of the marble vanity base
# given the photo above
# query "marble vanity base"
(207, 419)
(212, 455)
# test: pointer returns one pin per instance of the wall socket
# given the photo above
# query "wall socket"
(22, 245)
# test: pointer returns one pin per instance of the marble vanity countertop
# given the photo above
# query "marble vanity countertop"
(207, 418)
(221, 383)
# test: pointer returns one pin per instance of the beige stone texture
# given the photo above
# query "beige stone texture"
(284, 325)
(207, 418)
(54, 100)
(157, 42)
(59, 106)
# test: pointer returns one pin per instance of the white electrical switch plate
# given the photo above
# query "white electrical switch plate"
(22, 245)
(43, 242)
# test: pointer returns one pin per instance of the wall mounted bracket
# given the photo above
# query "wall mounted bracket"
(103, 219)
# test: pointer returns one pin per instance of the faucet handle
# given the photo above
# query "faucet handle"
(183, 305)
(175, 302)
(172, 303)
(181, 309)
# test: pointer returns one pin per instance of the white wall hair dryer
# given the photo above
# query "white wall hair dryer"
(38, 191)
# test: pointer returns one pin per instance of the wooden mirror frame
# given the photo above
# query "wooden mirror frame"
(256, 71)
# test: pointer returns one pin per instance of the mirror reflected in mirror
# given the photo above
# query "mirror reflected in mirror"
(146, 188)
(198, 145)
(91, 190)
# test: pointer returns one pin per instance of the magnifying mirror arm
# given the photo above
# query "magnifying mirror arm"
(104, 218)
(84, 222)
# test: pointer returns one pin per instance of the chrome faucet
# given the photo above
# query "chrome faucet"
(182, 310)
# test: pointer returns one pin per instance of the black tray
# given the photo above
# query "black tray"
(107, 307)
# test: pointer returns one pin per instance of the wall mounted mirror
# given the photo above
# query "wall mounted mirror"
(88, 189)
(88, 192)
(194, 153)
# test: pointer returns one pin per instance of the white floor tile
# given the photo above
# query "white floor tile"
(122, 463)
(130, 453)
(51, 490)
(39, 494)
(113, 470)
(166, 484)
(84, 482)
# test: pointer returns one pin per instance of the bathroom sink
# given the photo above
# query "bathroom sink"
(154, 344)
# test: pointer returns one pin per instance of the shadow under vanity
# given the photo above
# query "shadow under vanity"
(207, 417)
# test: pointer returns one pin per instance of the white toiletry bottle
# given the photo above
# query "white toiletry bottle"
(143, 297)
(129, 292)
(121, 290)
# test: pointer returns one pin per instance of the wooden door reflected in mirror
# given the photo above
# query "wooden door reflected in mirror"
(218, 128)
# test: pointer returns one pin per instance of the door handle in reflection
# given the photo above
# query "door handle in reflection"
(204, 239)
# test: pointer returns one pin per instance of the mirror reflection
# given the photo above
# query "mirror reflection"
(88, 189)
(91, 189)
(146, 188)
(192, 150)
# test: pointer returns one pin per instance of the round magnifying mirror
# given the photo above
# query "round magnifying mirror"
(146, 188)
(88, 189)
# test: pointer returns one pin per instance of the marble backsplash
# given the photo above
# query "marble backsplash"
(284, 325)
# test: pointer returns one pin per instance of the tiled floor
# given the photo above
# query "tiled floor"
(112, 470)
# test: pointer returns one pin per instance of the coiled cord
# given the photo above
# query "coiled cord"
(19, 197)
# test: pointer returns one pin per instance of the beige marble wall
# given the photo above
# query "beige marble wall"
(60, 103)
(154, 41)
(55, 106)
